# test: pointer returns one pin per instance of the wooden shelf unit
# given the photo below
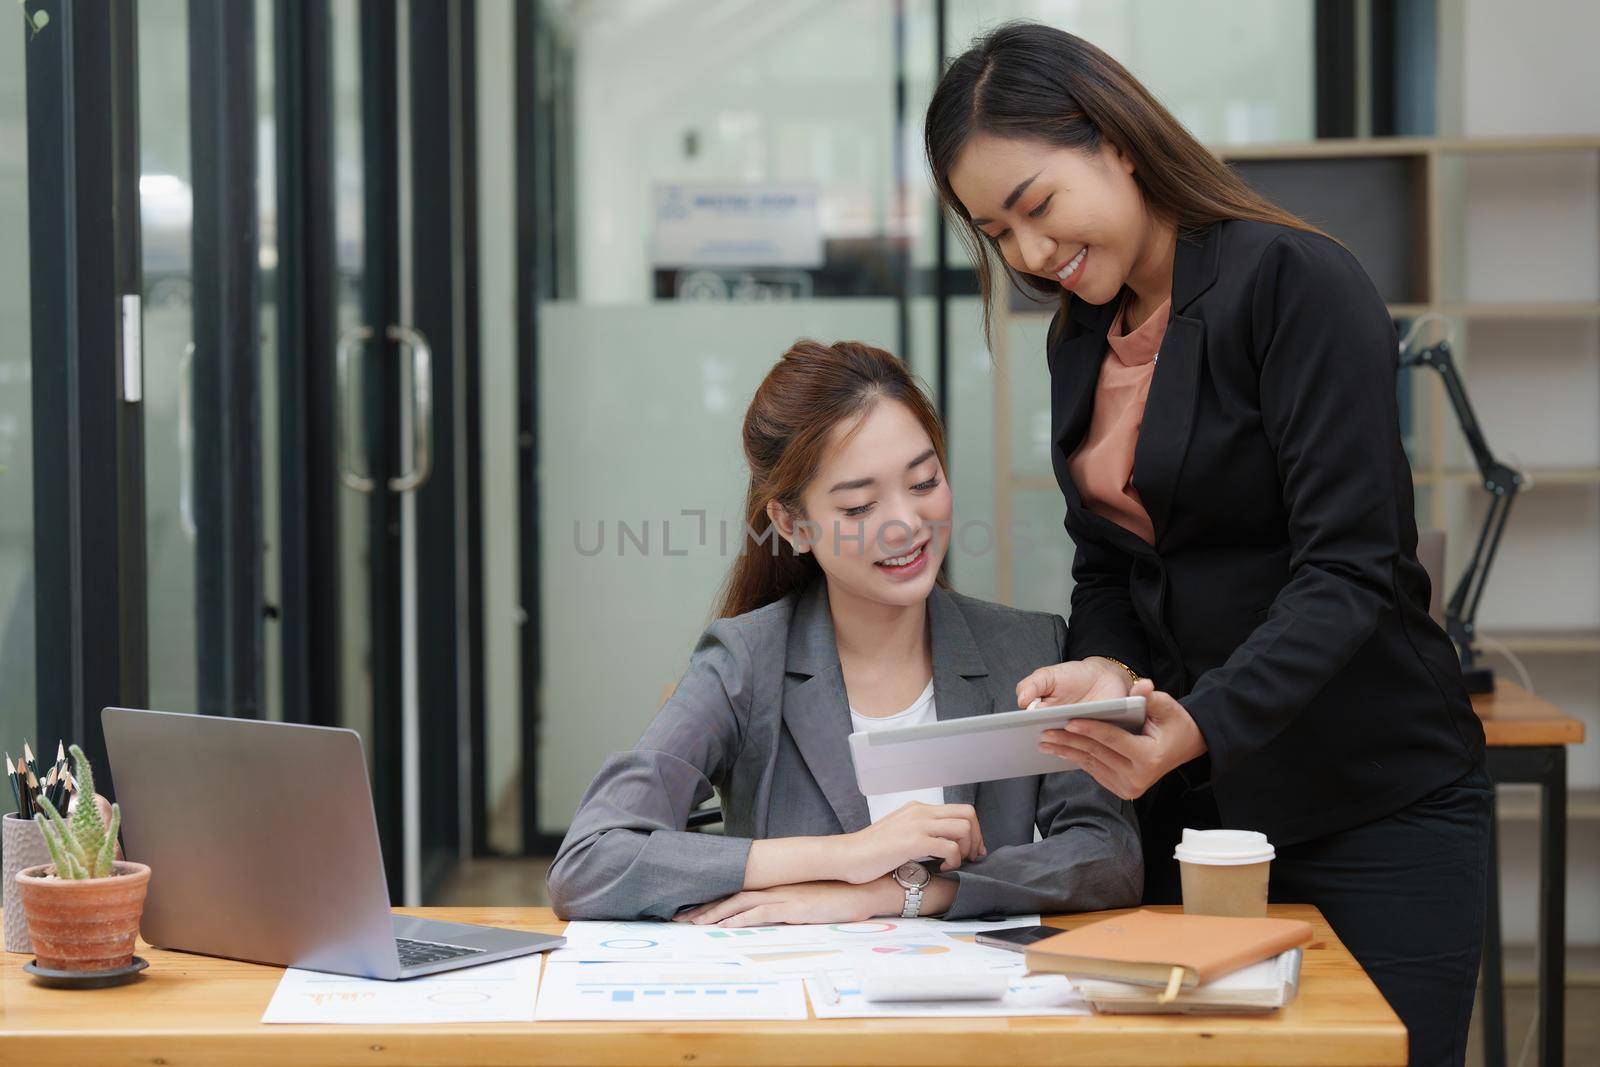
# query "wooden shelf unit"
(1536, 476)
(1411, 166)
(1573, 641)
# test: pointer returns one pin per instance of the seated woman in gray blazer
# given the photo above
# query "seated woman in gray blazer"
(841, 622)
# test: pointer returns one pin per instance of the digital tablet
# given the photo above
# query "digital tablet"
(982, 748)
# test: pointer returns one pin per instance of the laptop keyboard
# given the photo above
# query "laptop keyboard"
(417, 953)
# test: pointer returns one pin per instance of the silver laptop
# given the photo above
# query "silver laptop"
(263, 846)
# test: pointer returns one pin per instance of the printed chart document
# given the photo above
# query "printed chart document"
(786, 949)
(500, 992)
(577, 990)
(637, 970)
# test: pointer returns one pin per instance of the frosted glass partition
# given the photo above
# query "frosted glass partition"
(267, 304)
(802, 91)
(166, 208)
(970, 404)
(350, 251)
(1232, 71)
(639, 421)
(16, 406)
(639, 416)
(1041, 552)
(497, 425)
(1030, 396)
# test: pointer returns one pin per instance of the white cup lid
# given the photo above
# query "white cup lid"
(1224, 848)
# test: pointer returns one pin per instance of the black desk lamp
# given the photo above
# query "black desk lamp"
(1501, 481)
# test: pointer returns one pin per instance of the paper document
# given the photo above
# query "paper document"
(779, 947)
(1045, 994)
(1050, 994)
(647, 962)
(650, 991)
(500, 992)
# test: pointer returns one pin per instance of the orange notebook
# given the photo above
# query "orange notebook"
(1163, 949)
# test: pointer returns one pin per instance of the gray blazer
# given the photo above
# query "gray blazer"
(761, 716)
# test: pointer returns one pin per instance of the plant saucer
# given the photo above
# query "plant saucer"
(85, 979)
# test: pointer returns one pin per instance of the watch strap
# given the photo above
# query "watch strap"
(913, 904)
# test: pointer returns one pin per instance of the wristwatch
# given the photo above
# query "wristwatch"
(913, 877)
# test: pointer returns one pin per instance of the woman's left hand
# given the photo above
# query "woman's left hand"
(1129, 764)
(805, 902)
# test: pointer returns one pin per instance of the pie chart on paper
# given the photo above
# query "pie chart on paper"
(911, 950)
(862, 928)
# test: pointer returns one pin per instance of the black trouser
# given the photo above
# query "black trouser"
(1405, 893)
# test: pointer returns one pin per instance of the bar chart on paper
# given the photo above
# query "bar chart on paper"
(665, 970)
(576, 991)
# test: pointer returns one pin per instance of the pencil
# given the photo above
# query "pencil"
(19, 776)
(29, 788)
(16, 794)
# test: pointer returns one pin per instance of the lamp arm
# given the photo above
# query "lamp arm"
(1497, 476)
(1501, 480)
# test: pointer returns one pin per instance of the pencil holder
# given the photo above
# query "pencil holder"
(24, 847)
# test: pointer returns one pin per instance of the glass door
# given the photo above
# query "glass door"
(256, 470)
(208, 267)
(303, 512)
(400, 355)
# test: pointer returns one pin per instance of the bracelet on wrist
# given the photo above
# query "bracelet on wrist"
(1133, 675)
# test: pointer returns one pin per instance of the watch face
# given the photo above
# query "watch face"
(912, 874)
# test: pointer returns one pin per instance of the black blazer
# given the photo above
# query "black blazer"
(1282, 602)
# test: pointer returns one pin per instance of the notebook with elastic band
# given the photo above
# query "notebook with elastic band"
(1167, 951)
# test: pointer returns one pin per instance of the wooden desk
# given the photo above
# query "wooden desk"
(197, 1010)
(1527, 739)
(1515, 718)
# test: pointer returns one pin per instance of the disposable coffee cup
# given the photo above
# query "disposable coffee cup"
(1224, 872)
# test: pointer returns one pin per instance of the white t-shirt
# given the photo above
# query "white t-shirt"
(921, 711)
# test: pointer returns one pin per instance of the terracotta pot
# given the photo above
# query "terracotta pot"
(87, 924)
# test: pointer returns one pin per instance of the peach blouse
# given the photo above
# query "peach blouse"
(1102, 466)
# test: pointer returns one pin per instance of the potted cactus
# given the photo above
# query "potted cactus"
(83, 909)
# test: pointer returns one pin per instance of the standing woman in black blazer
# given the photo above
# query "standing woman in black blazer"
(1242, 514)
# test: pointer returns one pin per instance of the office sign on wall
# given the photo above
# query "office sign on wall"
(729, 225)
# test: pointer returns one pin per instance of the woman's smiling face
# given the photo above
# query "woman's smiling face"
(877, 512)
(1075, 218)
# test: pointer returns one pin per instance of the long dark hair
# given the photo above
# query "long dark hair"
(1034, 82)
(812, 389)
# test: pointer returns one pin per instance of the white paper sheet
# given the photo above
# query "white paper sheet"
(627, 957)
(620, 991)
(504, 991)
(1050, 994)
(781, 947)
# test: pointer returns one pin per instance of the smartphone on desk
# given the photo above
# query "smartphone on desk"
(1015, 938)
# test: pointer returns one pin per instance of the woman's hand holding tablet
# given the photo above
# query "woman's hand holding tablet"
(982, 748)
(1128, 764)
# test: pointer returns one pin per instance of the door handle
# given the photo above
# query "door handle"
(421, 409)
(354, 479)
